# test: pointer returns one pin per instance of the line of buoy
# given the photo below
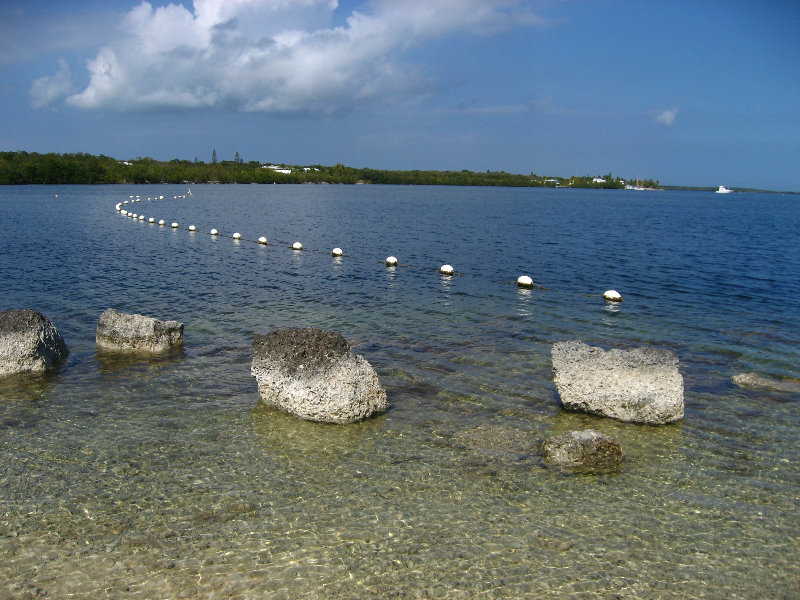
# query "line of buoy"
(523, 281)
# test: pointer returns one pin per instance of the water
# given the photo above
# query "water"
(165, 478)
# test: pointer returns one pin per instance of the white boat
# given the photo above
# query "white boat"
(723, 190)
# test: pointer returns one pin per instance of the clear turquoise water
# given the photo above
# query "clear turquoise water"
(164, 478)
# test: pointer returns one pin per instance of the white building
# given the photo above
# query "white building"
(277, 169)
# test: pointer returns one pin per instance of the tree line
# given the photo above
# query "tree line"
(20, 168)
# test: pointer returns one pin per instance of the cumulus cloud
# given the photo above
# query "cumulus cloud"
(47, 90)
(667, 117)
(274, 55)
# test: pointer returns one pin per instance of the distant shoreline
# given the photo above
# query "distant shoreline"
(31, 168)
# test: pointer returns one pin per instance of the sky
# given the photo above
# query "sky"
(698, 93)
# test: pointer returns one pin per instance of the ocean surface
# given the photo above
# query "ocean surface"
(127, 477)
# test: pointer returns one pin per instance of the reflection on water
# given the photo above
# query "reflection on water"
(165, 477)
(111, 362)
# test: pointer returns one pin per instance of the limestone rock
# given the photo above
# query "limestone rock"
(586, 451)
(753, 380)
(28, 342)
(641, 385)
(315, 375)
(137, 333)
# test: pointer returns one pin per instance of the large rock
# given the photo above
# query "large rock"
(315, 375)
(641, 385)
(137, 333)
(586, 451)
(28, 342)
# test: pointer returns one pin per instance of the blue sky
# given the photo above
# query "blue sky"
(686, 92)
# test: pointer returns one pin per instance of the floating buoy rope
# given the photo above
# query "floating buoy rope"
(523, 281)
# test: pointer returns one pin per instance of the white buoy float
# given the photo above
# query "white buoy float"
(174, 225)
(151, 220)
(297, 246)
(141, 217)
(214, 232)
(612, 296)
(391, 261)
(446, 270)
(124, 213)
(524, 281)
(192, 228)
(161, 222)
(133, 215)
(262, 240)
(337, 252)
(237, 236)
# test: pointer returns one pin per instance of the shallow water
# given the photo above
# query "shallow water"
(165, 478)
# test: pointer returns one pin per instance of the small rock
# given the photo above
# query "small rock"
(586, 451)
(641, 385)
(137, 333)
(315, 375)
(753, 380)
(28, 342)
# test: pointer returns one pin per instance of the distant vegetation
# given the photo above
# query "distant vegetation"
(17, 168)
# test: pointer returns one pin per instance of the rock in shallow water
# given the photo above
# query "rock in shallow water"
(641, 385)
(137, 333)
(753, 380)
(315, 375)
(587, 451)
(28, 342)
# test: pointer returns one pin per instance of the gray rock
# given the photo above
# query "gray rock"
(315, 375)
(753, 380)
(586, 451)
(28, 342)
(137, 333)
(641, 385)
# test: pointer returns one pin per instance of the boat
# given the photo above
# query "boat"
(723, 190)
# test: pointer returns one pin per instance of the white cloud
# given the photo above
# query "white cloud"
(47, 90)
(275, 55)
(667, 117)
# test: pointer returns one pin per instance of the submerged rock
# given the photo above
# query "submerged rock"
(586, 451)
(28, 342)
(137, 333)
(315, 375)
(641, 385)
(753, 380)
